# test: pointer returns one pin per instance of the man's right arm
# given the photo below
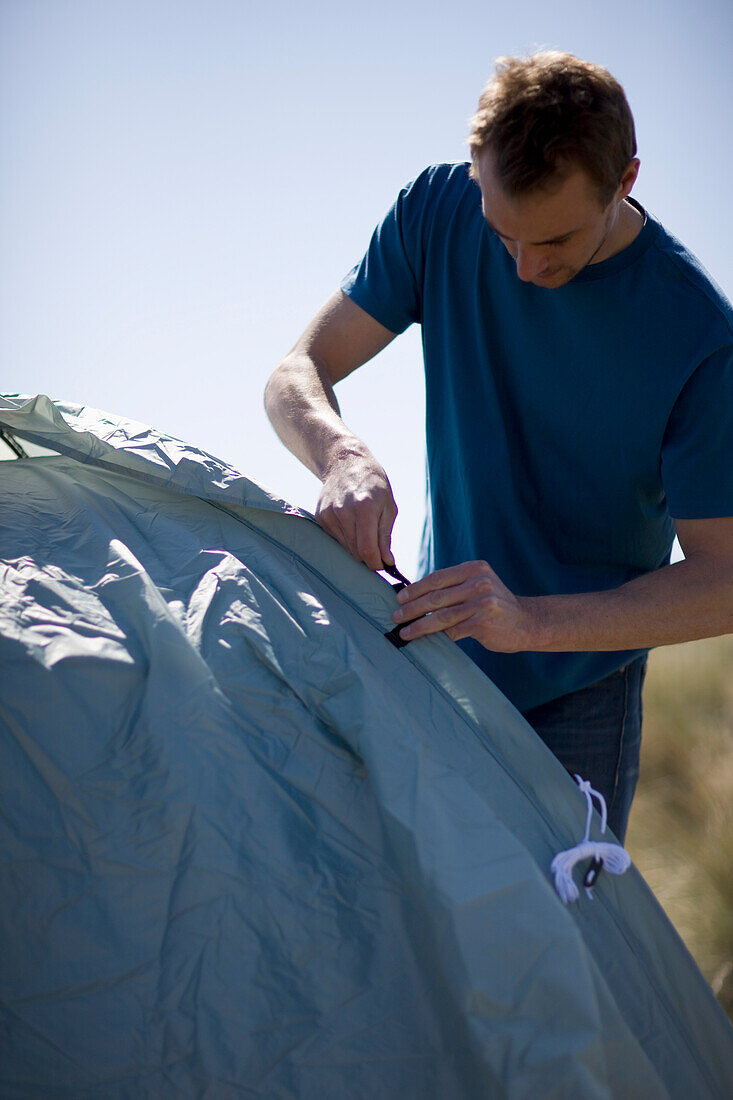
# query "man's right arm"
(356, 505)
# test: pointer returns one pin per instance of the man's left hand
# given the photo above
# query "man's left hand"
(466, 601)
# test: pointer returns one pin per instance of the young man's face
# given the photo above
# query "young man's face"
(551, 234)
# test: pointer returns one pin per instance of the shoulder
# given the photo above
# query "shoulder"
(687, 279)
(439, 204)
(440, 182)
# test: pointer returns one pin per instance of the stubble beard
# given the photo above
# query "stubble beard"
(566, 274)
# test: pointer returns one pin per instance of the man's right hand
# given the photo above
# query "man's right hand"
(357, 508)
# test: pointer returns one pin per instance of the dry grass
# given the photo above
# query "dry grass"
(680, 833)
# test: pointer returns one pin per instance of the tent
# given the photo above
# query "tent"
(251, 849)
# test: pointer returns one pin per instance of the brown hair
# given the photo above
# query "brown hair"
(544, 113)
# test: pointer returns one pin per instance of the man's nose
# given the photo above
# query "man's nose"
(531, 262)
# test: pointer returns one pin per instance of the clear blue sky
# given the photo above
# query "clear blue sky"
(182, 185)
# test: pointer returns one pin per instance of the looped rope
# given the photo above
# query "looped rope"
(611, 856)
(591, 793)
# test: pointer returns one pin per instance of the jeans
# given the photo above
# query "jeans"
(596, 733)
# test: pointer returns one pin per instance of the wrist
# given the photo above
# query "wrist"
(343, 451)
(537, 624)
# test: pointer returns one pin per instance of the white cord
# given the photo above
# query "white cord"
(612, 856)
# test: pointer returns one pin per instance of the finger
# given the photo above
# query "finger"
(384, 536)
(441, 578)
(331, 524)
(437, 622)
(368, 549)
(465, 629)
(435, 601)
(357, 521)
(355, 530)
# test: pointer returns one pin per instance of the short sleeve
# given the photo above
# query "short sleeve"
(387, 283)
(697, 453)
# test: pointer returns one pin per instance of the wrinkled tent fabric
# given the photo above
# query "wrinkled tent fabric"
(249, 848)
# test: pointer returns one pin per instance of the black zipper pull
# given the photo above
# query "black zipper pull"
(402, 581)
(393, 635)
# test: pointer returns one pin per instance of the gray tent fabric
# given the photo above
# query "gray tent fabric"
(250, 849)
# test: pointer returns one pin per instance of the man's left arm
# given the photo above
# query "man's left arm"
(677, 603)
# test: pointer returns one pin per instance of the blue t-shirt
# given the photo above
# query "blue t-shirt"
(565, 427)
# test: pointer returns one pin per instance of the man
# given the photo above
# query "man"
(579, 386)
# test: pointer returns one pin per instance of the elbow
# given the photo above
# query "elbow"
(274, 388)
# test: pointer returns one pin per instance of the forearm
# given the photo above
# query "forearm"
(678, 603)
(682, 602)
(356, 505)
(303, 410)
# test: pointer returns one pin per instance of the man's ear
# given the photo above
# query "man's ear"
(628, 179)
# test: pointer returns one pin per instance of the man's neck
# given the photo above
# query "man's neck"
(626, 228)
